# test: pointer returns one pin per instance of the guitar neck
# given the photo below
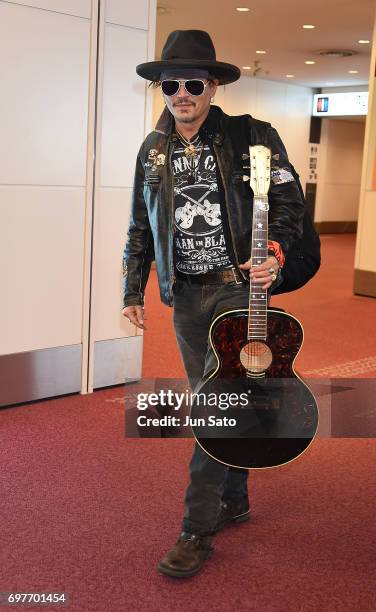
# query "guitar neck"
(258, 297)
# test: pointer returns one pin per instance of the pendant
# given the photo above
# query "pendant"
(190, 151)
(190, 179)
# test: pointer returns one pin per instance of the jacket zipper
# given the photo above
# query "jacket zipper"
(228, 216)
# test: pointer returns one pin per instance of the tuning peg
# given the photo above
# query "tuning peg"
(245, 177)
(245, 156)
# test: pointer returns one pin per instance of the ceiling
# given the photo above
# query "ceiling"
(276, 27)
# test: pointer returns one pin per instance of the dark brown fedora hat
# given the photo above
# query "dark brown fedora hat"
(189, 49)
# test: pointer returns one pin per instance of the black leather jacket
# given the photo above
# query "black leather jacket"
(150, 234)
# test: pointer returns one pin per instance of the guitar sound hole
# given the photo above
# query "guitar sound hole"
(256, 356)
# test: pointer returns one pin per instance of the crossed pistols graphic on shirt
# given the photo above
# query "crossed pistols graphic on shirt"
(198, 237)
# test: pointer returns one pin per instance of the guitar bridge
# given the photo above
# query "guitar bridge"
(255, 375)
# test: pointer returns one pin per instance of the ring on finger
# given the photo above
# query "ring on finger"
(274, 276)
(271, 270)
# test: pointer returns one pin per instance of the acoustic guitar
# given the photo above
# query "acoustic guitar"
(253, 410)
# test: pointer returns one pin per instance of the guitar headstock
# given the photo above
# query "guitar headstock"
(259, 157)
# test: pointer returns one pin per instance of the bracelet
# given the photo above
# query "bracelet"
(275, 249)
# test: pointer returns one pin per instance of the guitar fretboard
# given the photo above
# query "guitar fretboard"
(258, 297)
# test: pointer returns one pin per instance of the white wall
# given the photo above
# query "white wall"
(67, 154)
(43, 116)
(340, 165)
(345, 88)
(287, 107)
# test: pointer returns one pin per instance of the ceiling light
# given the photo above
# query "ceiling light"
(246, 67)
(334, 53)
(290, 76)
(363, 42)
(260, 51)
(308, 26)
(243, 9)
(353, 71)
(309, 62)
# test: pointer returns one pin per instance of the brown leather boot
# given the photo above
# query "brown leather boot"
(187, 557)
(233, 512)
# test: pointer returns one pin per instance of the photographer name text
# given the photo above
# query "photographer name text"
(174, 421)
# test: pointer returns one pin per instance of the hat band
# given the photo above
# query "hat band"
(192, 73)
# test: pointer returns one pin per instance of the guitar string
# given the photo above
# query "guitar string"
(259, 217)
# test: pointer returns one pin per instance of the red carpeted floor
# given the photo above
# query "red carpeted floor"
(87, 512)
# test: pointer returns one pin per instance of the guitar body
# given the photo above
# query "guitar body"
(277, 417)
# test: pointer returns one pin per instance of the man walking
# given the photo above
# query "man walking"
(192, 213)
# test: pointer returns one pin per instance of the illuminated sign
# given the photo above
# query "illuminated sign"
(349, 103)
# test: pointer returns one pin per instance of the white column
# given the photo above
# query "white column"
(127, 33)
(365, 256)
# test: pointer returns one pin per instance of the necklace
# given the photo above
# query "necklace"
(192, 151)
(190, 145)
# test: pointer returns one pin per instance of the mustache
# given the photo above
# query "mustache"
(184, 101)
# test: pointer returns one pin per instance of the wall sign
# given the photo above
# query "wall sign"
(351, 103)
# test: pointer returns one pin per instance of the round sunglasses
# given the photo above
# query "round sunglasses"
(195, 87)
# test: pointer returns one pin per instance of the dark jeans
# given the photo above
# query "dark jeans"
(195, 306)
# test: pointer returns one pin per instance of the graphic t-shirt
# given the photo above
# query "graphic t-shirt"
(199, 240)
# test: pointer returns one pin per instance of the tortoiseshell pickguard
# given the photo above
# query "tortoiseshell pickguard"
(284, 338)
